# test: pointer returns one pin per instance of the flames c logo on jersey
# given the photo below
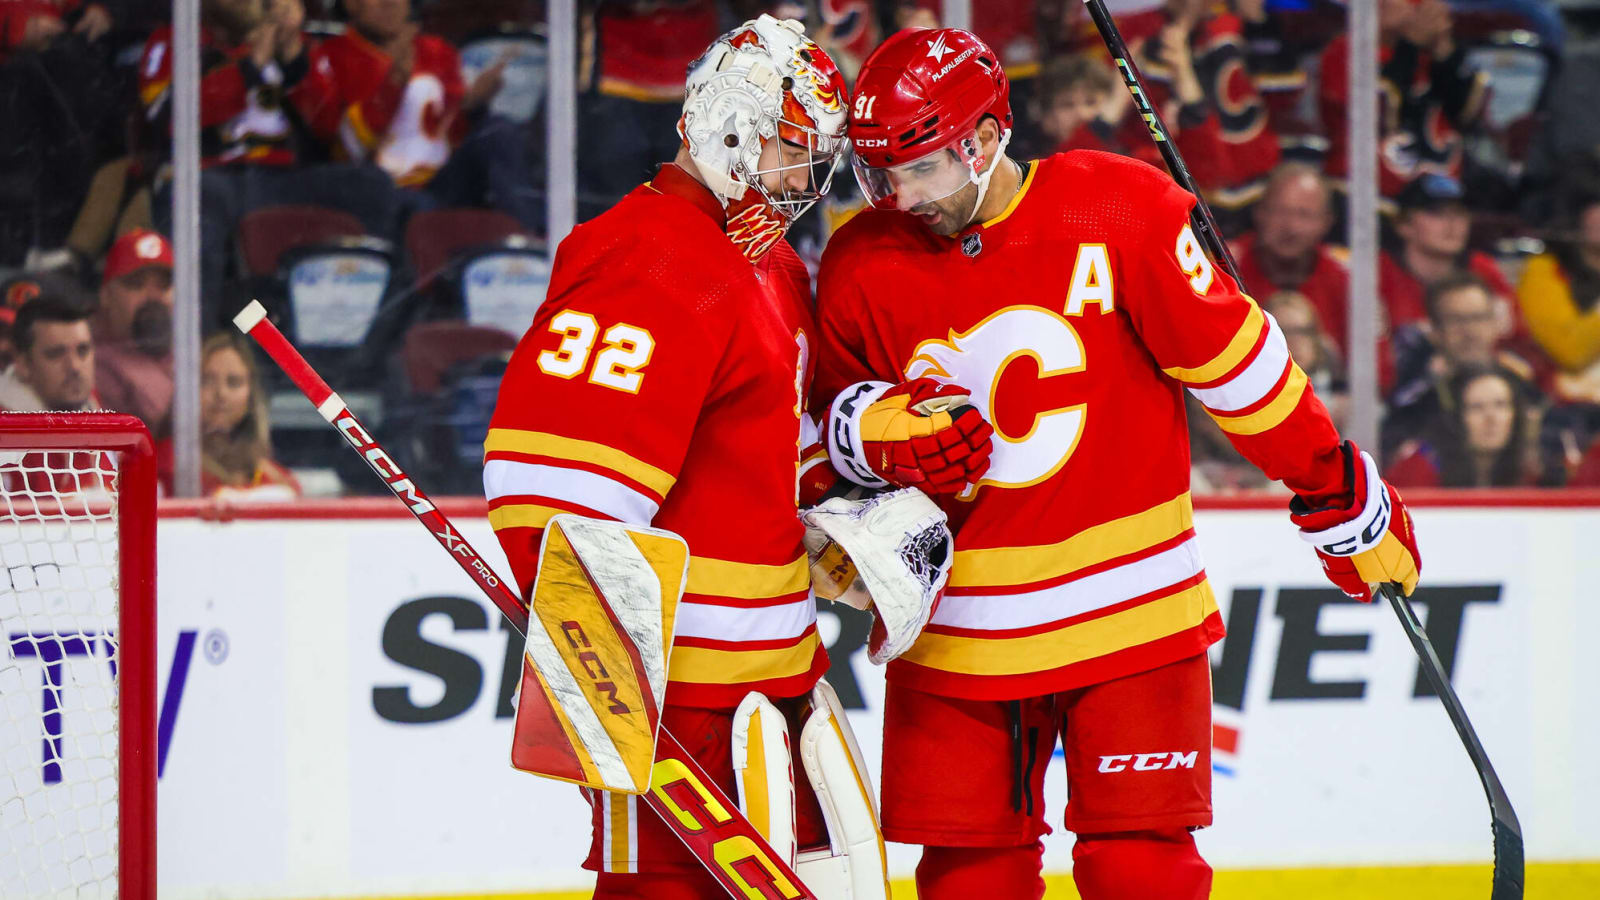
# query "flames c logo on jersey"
(978, 359)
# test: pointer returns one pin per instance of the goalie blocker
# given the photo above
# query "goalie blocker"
(590, 709)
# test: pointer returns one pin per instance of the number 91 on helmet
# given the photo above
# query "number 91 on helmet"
(914, 118)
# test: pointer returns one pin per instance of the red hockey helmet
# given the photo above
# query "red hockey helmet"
(921, 92)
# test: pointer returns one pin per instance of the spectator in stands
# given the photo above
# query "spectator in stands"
(54, 365)
(1433, 226)
(61, 102)
(133, 329)
(1483, 442)
(1560, 298)
(236, 447)
(1081, 106)
(631, 91)
(1430, 97)
(33, 24)
(254, 63)
(1193, 59)
(1463, 334)
(1287, 251)
(394, 96)
(1313, 349)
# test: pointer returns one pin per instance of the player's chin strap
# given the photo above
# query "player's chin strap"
(852, 865)
(981, 179)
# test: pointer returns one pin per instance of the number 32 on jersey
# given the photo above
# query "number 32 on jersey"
(627, 349)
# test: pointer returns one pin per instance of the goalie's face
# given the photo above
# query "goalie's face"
(796, 170)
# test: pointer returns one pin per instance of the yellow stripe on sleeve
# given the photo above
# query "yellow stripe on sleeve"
(539, 443)
(1243, 341)
(1271, 415)
(1108, 540)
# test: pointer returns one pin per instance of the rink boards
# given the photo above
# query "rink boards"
(336, 717)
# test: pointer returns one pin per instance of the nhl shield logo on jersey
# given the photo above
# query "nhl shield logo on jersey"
(972, 245)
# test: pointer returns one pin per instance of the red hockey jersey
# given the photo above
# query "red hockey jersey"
(1075, 319)
(663, 382)
(408, 128)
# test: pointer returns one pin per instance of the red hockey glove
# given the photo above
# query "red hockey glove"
(915, 434)
(1369, 539)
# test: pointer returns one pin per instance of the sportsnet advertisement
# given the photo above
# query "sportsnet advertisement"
(336, 707)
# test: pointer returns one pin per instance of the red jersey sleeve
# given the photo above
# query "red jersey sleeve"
(1215, 340)
(841, 349)
(600, 400)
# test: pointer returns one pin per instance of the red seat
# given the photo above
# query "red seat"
(268, 233)
(431, 348)
(434, 236)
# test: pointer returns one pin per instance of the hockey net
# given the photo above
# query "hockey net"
(77, 678)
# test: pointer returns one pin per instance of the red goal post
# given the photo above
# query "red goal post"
(78, 716)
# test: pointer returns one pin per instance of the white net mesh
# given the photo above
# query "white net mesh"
(58, 688)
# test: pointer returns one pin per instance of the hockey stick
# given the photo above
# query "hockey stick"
(1507, 830)
(1508, 853)
(682, 794)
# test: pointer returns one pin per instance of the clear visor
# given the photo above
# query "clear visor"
(927, 180)
(806, 160)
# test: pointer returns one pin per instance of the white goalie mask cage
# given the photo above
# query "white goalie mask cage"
(765, 80)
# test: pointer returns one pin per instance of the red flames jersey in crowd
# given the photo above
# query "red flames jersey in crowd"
(1231, 152)
(663, 382)
(407, 128)
(242, 115)
(645, 46)
(1425, 103)
(1075, 319)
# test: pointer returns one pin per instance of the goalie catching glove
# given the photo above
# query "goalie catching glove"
(891, 552)
(1368, 540)
(919, 433)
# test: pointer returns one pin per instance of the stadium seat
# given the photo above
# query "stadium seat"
(479, 266)
(431, 348)
(267, 233)
(434, 236)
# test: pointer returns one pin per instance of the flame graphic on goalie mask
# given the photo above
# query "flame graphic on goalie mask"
(824, 78)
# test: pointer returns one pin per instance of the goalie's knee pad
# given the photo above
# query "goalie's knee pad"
(960, 873)
(1140, 865)
(851, 865)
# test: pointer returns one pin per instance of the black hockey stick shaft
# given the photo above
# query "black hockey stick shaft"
(1204, 222)
(1508, 850)
(1508, 859)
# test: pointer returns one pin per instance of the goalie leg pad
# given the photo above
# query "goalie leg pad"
(595, 664)
(764, 772)
(853, 866)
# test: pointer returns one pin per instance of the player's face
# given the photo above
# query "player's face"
(1464, 326)
(224, 392)
(1486, 414)
(60, 364)
(937, 189)
(785, 168)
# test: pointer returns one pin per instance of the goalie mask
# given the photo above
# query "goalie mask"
(761, 83)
